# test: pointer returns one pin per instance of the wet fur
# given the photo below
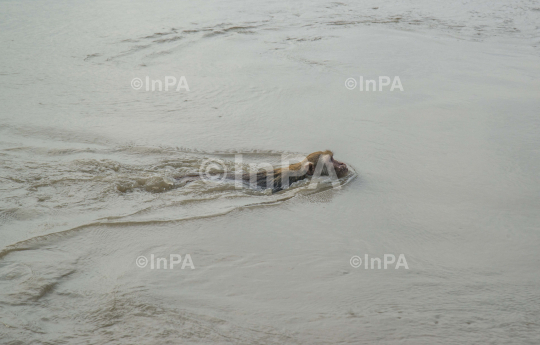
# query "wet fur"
(296, 172)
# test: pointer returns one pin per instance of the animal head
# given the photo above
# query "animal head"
(324, 160)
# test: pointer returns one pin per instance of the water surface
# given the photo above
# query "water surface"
(444, 172)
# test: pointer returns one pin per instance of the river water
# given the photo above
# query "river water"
(443, 170)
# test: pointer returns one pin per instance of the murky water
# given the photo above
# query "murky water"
(444, 172)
